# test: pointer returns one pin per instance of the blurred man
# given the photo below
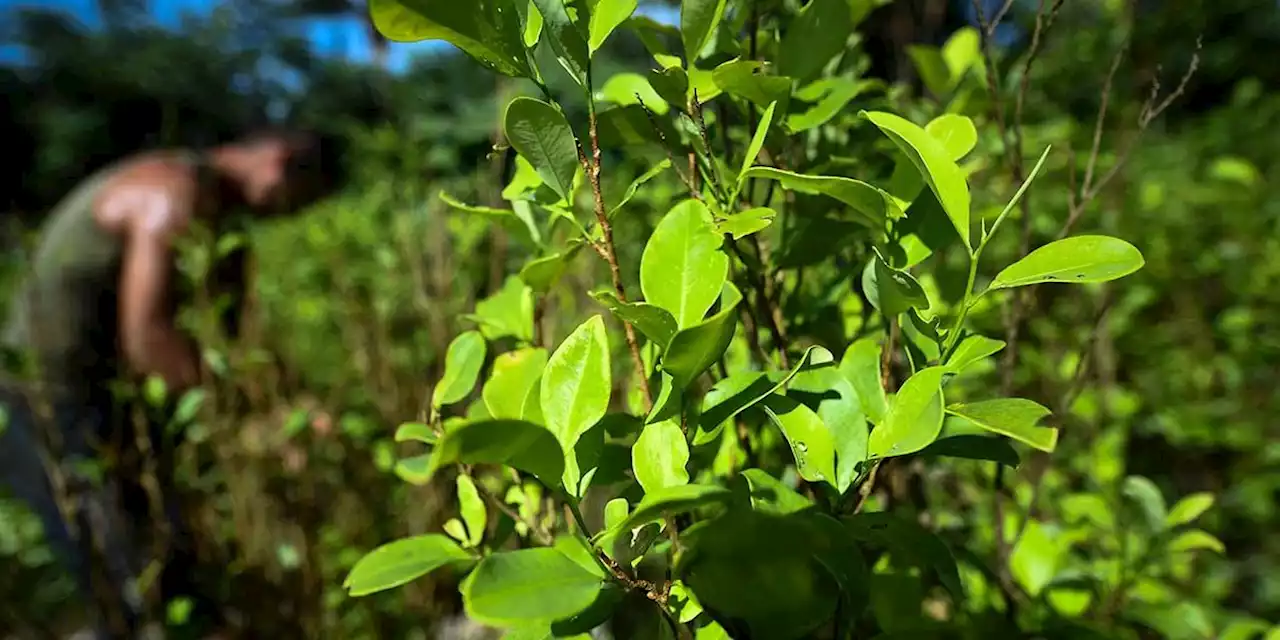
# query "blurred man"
(97, 307)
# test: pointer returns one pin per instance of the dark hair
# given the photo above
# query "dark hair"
(319, 154)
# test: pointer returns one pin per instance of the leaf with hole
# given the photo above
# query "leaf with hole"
(539, 132)
(403, 561)
(510, 587)
(873, 207)
(1078, 259)
(914, 418)
(660, 456)
(934, 163)
(462, 362)
(1015, 418)
(682, 268)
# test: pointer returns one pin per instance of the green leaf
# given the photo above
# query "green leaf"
(639, 182)
(914, 419)
(891, 291)
(656, 323)
(606, 15)
(840, 410)
(973, 447)
(1015, 418)
(456, 530)
(487, 30)
(745, 79)
(694, 349)
(741, 391)
(659, 456)
(934, 162)
(813, 38)
(403, 561)
(541, 273)
(508, 312)
(1195, 540)
(830, 104)
(682, 268)
(472, 508)
(568, 37)
(532, 25)
(577, 383)
(955, 132)
(632, 88)
(539, 132)
(1078, 259)
(515, 377)
(744, 223)
(1188, 509)
(873, 207)
(672, 501)
(770, 495)
(757, 142)
(861, 366)
(698, 21)
(909, 543)
(516, 220)
(188, 406)
(810, 440)
(971, 350)
(515, 443)
(1150, 501)
(415, 432)
(510, 587)
(1036, 558)
(462, 364)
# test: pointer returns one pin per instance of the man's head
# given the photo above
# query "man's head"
(283, 170)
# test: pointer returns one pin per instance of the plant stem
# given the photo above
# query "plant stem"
(592, 168)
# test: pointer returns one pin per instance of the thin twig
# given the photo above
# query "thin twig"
(592, 168)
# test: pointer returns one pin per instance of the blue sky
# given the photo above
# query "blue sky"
(342, 37)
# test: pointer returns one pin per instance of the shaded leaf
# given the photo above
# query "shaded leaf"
(487, 30)
(861, 366)
(813, 38)
(472, 508)
(637, 183)
(416, 432)
(515, 443)
(974, 447)
(891, 291)
(830, 104)
(568, 37)
(1188, 509)
(1195, 540)
(656, 323)
(539, 132)
(745, 79)
(695, 349)
(971, 350)
(698, 21)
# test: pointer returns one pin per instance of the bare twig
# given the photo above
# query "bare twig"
(610, 254)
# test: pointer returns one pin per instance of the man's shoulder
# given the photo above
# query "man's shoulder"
(147, 185)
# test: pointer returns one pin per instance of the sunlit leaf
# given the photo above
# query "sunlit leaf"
(914, 418)
(698, 21)
(515, 376)
(683, 269)
(872, 206)
(487, 30)
(606, 15)
(811, 443)
(1078, 259)
(659, 456)
(400, 562)
(509, 587)
(695, 349)
(577, 383)
(1015, 418)
(462, 364)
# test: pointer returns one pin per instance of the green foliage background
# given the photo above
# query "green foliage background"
(1162, 384)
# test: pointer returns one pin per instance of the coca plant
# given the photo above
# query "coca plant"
(727, 352)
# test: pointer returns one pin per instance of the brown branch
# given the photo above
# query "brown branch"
(609, 251)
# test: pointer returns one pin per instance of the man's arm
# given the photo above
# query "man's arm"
(149, 213)
(150, 340)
